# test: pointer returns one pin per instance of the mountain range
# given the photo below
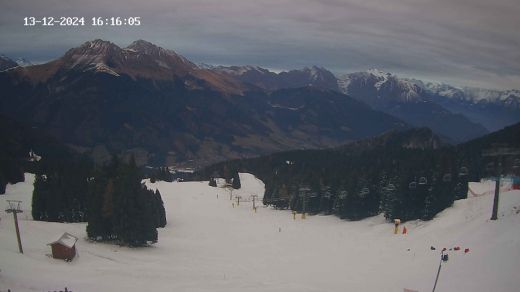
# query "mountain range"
(494, 109)
(457, 114)
(267, 80)
(143, 100)
(151, 102)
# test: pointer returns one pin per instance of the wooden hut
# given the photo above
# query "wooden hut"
(65, 247)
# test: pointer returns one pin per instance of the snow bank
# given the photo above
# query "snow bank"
(211, 245)
(487, 187)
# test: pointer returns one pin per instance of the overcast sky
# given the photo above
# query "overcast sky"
(462, 42)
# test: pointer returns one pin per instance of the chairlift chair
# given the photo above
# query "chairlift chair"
(423, 180)
(364, 191)
(463, 171)
(446, 177)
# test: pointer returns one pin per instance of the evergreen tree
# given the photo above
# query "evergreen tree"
(133, 220)
(3, 183)
(121, 208)
(159, 212)
(99, 225)
(40, 193)
(212, 182)
(236, 181)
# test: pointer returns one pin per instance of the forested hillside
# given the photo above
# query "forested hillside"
(406, 175)
(68, 187)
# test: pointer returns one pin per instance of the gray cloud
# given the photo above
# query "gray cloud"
(464, 42)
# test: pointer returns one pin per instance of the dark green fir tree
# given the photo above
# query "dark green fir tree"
(236, 181)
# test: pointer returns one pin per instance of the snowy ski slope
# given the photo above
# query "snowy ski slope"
(209, 245)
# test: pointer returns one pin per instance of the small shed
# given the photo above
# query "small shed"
(65, 247)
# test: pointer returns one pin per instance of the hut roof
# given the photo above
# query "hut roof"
(66, 239)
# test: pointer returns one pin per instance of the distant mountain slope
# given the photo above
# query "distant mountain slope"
(6, 63)
(23, 62)
(494, 109)
(17, 142)
(156, 104)
(409, 102)
(309, 76)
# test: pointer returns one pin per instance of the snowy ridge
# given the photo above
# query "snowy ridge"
(380, 75)
(343, 83)
(410, 89)
(23, 62)
(383, 82)
(101, 67)
(475, 95)
(211, 244)
(239, 70)
(315, 72)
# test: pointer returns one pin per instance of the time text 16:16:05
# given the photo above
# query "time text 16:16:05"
(82, 21)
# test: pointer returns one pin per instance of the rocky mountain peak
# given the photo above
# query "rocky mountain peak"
(98, 46)
(145, 47)
(378, 73)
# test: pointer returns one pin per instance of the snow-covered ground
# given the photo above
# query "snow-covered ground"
(209, 245)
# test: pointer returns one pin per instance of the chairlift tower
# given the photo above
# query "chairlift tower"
(14, 207)
(303, 194)
(444, 258)
(230, 189)
(254, 200)
(499, 152)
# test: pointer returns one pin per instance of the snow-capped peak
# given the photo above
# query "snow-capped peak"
(314, 72)
(98, 44)
(240, 70)
(148, 48)
(23, 62)
(378, 73)
(206, 66)
(386, 85)
(472, 94)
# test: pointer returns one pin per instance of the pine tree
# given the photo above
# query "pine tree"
(121, 208)
(40, 193)
(134, 222)
(236, 181)
(3, 182)
(159, 212)
(212, 182)
(99, 227)
(108, 197)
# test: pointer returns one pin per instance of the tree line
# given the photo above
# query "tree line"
(406, 175)
(111, 198)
